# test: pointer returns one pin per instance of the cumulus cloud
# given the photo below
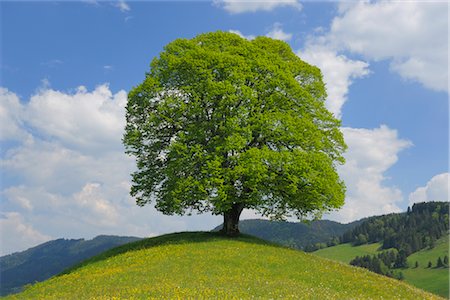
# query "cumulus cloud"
(244, 6)
(371, 152)
(11, 111)
(277, 33)
(338, 72)
(437, 189)
(17, 235)
(82, 119)
(67, 175)
(413, 35)
(248, 37)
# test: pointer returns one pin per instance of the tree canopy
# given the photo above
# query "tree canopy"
(221, 123)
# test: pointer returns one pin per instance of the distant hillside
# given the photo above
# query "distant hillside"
(206, 265)
(48, 259)
(432, 279)
(402, 245)
(294, 235)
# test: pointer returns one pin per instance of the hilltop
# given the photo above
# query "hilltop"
(209, 265)
(296, 235)
(48, 259)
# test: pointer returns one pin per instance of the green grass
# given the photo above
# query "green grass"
(435, 280)
(430, 279)
(346, 252)
(208, 265)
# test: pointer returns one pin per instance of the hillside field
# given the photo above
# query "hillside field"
(432, 279)
(346, 252)
(435, 280)
(203, 265)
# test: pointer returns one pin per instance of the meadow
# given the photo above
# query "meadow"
(203, 265)
(435, 280)
(432, 279)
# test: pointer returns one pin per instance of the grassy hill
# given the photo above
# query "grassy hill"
(432, 279)
(435, 280)
(50, 258)
(207, 265)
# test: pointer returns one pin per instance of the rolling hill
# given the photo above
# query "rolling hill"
(435, 280)
(208, 265)
(50, 258)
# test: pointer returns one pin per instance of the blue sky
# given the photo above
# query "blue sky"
(66, 68)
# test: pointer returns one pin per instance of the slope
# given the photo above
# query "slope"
(208, 265)
(435, 280)
(50, 258)
(346, 252)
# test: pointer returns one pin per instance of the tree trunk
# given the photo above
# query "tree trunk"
(231, 220)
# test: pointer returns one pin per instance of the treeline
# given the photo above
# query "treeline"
(409, 232)
(383, 263)
(401, 233)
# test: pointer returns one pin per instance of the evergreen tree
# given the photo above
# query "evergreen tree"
(417, 264)
(439, 263)
(430, 264)
(446, 260)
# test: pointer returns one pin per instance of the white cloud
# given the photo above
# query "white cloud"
(277, 33)
(248, 37)
(67, 174)
(371, 152)
(243, 6)
(413, 35)
(82, 119)
(338, 72)
(437, 189)
(17, 235)
(11, 111)
(122, 5)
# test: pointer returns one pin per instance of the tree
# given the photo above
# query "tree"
(430, 264)
(221, 123)
(439, 263)
(446, 260)
(417, 264)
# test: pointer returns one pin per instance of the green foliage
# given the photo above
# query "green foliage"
(204, 266)
(439, 263)
(221, 120)
(417, 229)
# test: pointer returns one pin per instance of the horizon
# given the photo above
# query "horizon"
(66, 69)
(144, 237)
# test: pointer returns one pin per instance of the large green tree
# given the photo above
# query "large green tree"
(221, 123)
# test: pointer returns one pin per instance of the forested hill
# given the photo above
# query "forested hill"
(296, 235)
(48, 259)
(410, 232)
